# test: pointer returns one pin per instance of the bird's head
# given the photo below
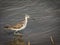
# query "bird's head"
(27, 16)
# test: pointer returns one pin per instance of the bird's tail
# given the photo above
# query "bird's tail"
(6, 27)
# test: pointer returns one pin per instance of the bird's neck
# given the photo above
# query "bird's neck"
(26, 20)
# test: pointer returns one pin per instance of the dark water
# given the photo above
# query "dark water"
(47, 20)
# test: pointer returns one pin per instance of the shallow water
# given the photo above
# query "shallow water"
(46, 14)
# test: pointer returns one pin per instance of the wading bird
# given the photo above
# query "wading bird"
(19, 26)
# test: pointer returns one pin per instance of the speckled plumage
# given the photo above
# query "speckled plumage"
(19, 26)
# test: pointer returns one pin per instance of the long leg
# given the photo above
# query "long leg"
(16, 33)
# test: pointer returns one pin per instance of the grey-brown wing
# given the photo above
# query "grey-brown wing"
(18, 25)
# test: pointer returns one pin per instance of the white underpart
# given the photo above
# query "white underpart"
(24, 25)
